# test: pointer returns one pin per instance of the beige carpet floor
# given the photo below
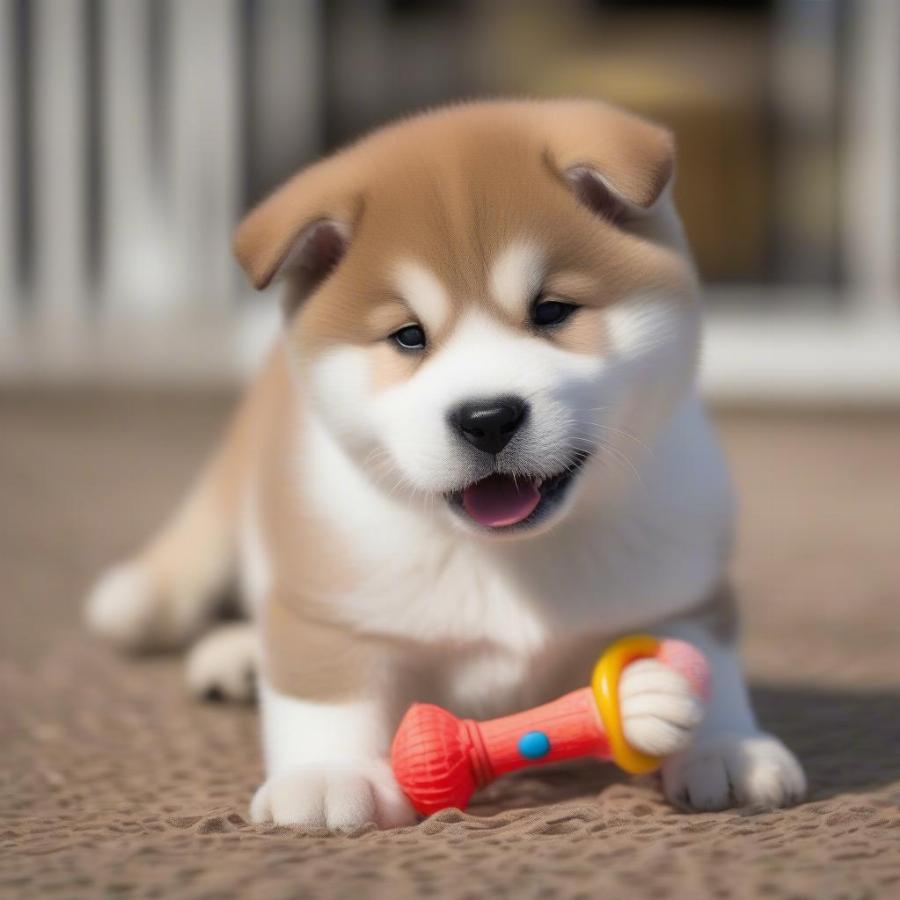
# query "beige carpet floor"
(113, 784)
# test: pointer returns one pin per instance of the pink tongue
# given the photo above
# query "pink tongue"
(498, 500)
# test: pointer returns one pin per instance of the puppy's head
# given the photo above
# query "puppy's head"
(491, 305)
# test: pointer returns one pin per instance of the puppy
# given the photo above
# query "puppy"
(475, 457)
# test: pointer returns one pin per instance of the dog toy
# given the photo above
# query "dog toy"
(440, 761)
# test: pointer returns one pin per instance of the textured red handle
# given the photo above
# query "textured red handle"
(440, 761)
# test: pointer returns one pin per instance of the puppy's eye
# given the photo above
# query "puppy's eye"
(409, 337)
(545, 313)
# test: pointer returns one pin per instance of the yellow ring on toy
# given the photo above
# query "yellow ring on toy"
(605, 683)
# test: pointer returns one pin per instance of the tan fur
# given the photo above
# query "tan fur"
(449, 190)
(635, 156)
(390, 367)
(587, 333)
(309, 563)
(312, 659)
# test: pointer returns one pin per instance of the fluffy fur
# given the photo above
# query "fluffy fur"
(332, 497)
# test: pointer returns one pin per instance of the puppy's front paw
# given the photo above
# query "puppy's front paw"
(340, 797)
(734, 770)
(659, 709)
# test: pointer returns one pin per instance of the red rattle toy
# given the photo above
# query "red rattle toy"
(440, 760)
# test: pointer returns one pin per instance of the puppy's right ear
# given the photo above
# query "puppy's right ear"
(301, 231)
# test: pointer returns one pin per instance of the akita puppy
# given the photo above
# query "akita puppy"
(475, 457)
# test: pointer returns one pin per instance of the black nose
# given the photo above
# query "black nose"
(489, 424)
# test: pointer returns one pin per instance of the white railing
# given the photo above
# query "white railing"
(151, 292)
(847, 350)
(164, 299)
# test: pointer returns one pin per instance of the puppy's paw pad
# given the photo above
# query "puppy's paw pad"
(659, 709)
(734, 770)
(337, 797)
(223, 664)
(122, 607)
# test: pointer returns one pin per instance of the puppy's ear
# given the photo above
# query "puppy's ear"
(616, 163)
(301, 231)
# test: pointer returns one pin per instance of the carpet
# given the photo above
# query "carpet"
(114, 784)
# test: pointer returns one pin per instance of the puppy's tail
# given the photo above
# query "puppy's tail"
(167, 593)
(164, 595)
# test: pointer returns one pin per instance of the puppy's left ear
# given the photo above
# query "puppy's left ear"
(302, 230)
(617, 164)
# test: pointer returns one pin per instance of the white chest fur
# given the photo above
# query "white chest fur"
(657, 550)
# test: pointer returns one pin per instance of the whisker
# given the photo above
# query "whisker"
(618, 454)
(614, 430)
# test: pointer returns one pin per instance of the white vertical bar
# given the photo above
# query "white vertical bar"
(203, 97)
(60, 201)
(9, 243)
(804, 85)
(136, 276)
(287, 99)
(872, 198)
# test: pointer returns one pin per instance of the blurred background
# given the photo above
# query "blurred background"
(134, 133)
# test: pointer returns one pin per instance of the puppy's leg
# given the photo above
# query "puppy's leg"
(730, 761)
(223, 664)
(326, 764)
(329, 707)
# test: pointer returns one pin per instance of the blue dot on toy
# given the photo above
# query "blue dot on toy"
(534, 744)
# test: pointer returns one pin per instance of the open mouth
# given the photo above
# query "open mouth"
(503, 501)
